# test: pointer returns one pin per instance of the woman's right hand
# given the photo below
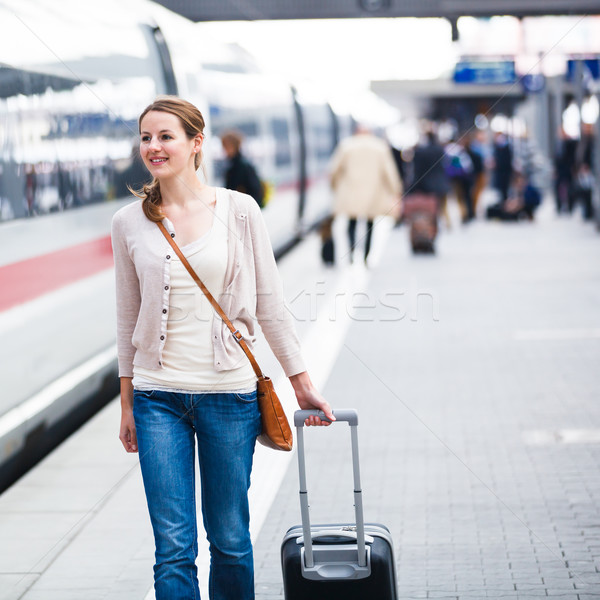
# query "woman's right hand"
(127, 433)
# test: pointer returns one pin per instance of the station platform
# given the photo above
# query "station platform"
(475, 374)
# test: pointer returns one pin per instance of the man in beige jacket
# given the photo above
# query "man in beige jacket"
(366, 183)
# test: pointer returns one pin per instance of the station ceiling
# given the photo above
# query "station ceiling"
(229, 10)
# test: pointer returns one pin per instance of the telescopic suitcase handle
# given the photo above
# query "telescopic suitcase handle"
(350, 416)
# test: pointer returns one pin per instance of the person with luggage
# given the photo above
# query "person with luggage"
(240, 174)
(429, 175)
(366, 183)
(184, 379)
(426, 194)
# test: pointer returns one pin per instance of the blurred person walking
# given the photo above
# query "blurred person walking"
(503, 166)
(460, 170)
(475, 151)
(564, 168)
(429, 174)
(185, 382)
(366, 183)
(240, 175)
(583, 188)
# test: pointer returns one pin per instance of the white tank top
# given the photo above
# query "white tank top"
(188, 356)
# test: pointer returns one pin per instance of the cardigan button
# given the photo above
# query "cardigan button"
(172, 235)
(166, 287)
(168, 256)
(164, 311)
(162, 337)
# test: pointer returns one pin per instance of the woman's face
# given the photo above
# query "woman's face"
(164, 146)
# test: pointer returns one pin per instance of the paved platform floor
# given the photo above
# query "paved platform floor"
(475, 373)
(476, 376)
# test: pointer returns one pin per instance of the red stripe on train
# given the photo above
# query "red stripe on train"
(27, 279)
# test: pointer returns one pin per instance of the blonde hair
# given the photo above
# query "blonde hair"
(193, 124)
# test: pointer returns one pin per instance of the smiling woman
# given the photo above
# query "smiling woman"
(163, 140)
(182, 375)
(171, 137)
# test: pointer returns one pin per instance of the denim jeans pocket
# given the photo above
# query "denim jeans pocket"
(246, 397)
(150, 394)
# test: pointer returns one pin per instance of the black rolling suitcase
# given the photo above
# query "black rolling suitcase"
(349, 561)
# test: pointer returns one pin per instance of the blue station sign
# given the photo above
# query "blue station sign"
(591, 68)
(485, 73)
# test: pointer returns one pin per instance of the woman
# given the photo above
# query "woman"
(182, 373)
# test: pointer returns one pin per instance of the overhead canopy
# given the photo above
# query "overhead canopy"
(441, 99)
(229, 10)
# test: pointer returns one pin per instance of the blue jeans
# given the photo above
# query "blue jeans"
(226, 426)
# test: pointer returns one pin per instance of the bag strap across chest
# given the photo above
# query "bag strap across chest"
(239, 338)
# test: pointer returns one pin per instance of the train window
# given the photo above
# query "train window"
(281, 133)
(320, 135)
(70, 126)
(223, 120)
(248, 129)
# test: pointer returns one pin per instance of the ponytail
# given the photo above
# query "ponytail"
(151, 200)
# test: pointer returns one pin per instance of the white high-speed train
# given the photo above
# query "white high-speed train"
(73, 78)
